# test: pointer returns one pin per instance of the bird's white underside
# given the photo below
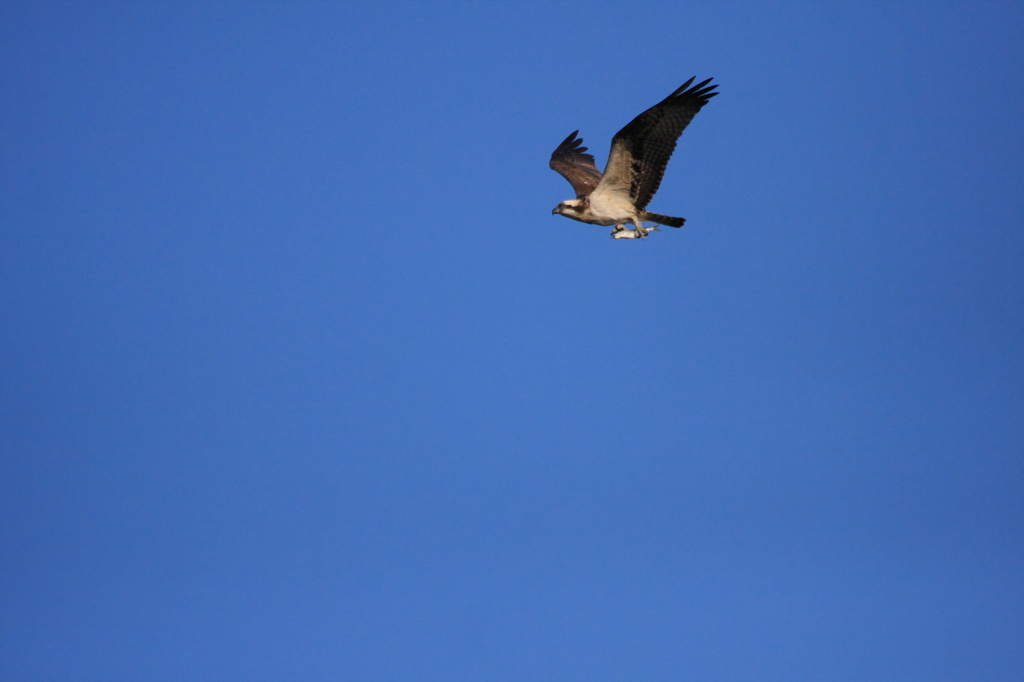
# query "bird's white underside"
(611, 207)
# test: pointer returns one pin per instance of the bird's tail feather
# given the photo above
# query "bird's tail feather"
(663, 219)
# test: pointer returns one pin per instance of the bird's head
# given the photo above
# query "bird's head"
(570, 208)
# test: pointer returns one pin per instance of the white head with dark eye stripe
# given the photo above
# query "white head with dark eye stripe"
(570, 208)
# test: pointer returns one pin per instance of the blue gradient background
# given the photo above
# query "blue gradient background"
(301, 379)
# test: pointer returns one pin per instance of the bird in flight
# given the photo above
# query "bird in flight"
(636, 164)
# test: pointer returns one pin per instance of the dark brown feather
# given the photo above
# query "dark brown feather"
(650, 138)
(570, 161)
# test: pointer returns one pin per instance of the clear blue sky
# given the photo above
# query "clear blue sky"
(301, 380)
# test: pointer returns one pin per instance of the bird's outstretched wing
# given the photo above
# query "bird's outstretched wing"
(571, 162)
(640, 151)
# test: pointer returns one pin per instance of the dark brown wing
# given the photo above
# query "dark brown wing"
(650, 138)
(570, 161)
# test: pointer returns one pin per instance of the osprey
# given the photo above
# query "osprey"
(636, 164)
